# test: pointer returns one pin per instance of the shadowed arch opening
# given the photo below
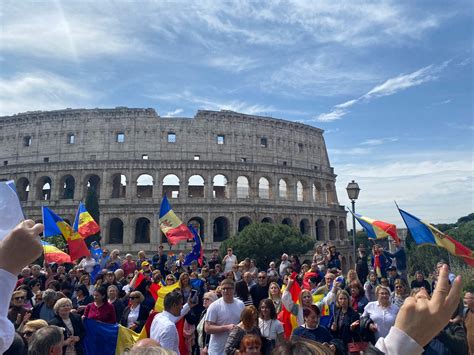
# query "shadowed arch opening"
(195, 186)
(220, 229)
(23, 188)
(142, 230)
(243, 222)
(43, 188)
(145, 186)
(115, 231)
(317, 193)
(198, 225)
(171, 186)
(93, 182)
(243, 187)
(319, 230)
(305, 227)
(68, 185)
(287, 221)
(119, 186)
(219, 187)
(332, 230)
(267, 220)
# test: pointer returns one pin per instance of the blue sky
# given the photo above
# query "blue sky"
(390, 82)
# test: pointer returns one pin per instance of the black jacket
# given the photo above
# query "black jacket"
(344, 332)
(142, 317)
(79, 330)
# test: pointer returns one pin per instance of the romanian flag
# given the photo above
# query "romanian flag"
(424, 233)
(54, 255)
(107, 339)
(162, 292)
(171, 225)
(196, 253)
(84, 224)
(289, 320)
(377, 229)
(55, 225)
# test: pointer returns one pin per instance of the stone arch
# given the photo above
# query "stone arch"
(317, 193)
(119, 186)
(283, 189)
(219, 186)
(243, 187)
(92, 181)
(267, 220)
(243, 222)
(23, 188)
(171, 186)
(67, 185)
(196, 186)
(43, 188)
(330, 194)
(319, 230)
(264, 190)
(299, 191)
(305, 227)
(145, 186)
(142, 230)
(287, 221)
(342, 231)
(198, 225)
(115, 231)
(220, 229)
(332, 230)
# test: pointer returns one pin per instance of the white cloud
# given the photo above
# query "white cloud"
(174, 113)
(346, 104)
(234, 64)
(379, 141)
(349, 151)
(334, 115)
(40, 91)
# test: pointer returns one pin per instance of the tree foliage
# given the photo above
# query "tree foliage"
(265, 242)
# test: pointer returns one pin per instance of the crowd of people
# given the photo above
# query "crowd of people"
(231, 306)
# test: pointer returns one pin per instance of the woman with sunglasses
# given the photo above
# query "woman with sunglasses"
(135, 315)
(30, 328)
(74, 331)
(17, 310)
(400, 293)
(170, 280)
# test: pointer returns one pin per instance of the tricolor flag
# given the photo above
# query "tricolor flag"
(377, 229)
(285, 316)
(54, 255)
(84, 224)
(107, 339)
(55, 225)
(162, 292)
(172, 227)
(424, 233)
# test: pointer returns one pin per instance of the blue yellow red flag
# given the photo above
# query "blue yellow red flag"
(425, 233)
(377, 229)
(52, 254)
(162, 292)
(171, 226)
(84, 224)
(55, 225)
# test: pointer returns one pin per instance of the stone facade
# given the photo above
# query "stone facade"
(220, 169)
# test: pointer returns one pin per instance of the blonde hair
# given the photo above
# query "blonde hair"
(60, 303)
(35, 324)
(137, 293)
(381, 287)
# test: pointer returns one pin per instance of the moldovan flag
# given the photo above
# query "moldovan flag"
(54, 255)
(424, 233)
(107, 339)
(84, 224)
(162, 292)
(174, 229)
(55, 225)
(377, 229)
(285, 316)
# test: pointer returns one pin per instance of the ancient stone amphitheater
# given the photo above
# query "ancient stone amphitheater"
(220, 170)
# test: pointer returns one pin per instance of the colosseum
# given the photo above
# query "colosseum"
(221, 170)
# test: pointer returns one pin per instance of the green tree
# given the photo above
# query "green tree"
(265, 242)
(92, 206)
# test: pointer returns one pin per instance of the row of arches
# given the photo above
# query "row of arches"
(221, 228)
(171, 187)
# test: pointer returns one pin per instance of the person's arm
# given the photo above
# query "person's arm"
(213, 328)
(287, 300)
(20, 247)
(233, 341)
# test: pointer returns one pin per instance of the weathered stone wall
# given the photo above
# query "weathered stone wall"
(71, 149)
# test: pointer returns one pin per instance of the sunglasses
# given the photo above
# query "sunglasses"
(169, 279)
(28, 333)
(134, 297)
(19, 298)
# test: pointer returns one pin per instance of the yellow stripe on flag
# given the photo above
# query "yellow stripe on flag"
(162, 292)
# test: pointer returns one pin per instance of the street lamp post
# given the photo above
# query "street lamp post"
(353, 193)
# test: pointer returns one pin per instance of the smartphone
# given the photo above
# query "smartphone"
(194, 296)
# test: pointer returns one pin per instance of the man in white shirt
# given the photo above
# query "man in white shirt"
(229, 260)
(20, 247)
(221, 316)
(163, 328)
